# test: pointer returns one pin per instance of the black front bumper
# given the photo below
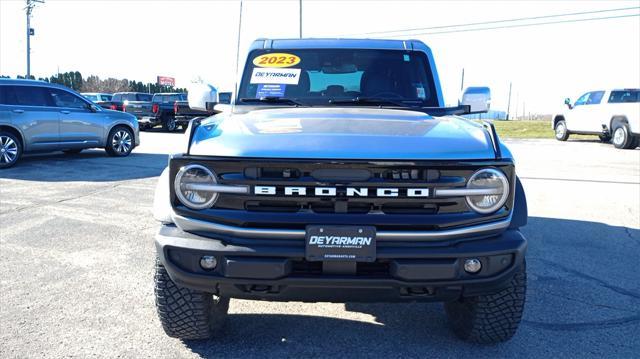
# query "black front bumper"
(278, 271)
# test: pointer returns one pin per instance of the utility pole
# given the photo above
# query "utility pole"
(462, 81)
(238, 47)
(30, 32)
(300, 2)
(509, 102)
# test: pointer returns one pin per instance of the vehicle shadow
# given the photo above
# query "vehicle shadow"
(160, 130)
(88, 165)
(594, 140)
(575, 291)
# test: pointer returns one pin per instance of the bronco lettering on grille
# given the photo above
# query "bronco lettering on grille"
(344, 191)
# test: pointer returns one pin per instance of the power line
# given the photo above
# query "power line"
(517, 25)
(493, 22)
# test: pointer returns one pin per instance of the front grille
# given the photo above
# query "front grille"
(312, 175)
(391, 212)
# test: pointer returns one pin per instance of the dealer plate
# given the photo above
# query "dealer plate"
(340, 243)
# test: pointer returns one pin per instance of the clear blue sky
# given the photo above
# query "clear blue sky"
(545, 63)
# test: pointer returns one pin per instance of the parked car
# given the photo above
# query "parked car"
(160, 110)
(339, 175)
(38, 116)
(609, 114)
(101, 99)
(120, 100)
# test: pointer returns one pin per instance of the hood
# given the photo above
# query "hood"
(341, 133)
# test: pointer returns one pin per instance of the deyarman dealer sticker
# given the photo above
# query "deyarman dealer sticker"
(275, 76)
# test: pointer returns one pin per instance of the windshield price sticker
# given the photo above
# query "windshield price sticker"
(270, 90)
(275, 76)
(276, 60)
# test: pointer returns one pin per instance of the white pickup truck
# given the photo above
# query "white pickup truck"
(610, 114)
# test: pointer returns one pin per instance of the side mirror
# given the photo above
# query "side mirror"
(477, 98)
(224, 98)
(567, 101)
(200, 94)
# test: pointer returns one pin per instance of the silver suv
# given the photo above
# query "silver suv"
(37, 116)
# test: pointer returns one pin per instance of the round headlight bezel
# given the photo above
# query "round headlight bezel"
(178, 190)
(505, 194)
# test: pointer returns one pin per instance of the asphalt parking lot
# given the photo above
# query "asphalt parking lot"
(76, 258)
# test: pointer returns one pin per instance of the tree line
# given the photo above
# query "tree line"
(93, 83)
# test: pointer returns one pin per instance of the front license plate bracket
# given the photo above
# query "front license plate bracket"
(340, 243)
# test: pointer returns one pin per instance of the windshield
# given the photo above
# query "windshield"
(336, 76)
(91, 97)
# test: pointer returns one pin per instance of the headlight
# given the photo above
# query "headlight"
(493, 185)
(186, 186)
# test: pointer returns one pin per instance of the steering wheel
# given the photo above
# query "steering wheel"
(386, 94)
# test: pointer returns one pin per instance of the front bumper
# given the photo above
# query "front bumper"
(184, 119)
(277, 270)
(148, 120)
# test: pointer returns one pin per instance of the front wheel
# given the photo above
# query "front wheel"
(562, 134)
(119, 142)
(187, 313)
(492, 318)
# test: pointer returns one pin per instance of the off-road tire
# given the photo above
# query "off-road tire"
(169, 123)
(489, 319)
(186, 313)
(622, 137)
(561, 131)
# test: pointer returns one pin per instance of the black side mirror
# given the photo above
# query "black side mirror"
(567, 101)
(224, 98)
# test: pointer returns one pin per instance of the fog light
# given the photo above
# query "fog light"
(472, 265)
(208, 262)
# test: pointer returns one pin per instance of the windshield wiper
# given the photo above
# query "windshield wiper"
(369, 101)
(271, 99)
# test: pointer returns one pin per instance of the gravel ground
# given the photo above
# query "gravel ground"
(76, 258)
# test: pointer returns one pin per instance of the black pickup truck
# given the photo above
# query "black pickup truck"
(184, 113)
(158, 110)
(121, 99)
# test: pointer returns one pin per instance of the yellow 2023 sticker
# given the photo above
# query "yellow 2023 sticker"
(276, 60)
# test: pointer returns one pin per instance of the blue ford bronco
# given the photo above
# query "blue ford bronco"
(337, 174)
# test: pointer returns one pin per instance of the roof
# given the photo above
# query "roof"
(31, 82)
(332, 43)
